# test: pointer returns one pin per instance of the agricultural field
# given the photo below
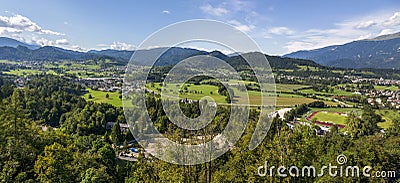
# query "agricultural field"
(196, 92)
(335, 92)
(23, 72)
(284, 70)
(100, 96)
(289, 87)
(82, 73)
(26, 72)
(304, 68)
(7, 62)
(70, 65)
(287, 101)
(391, 88)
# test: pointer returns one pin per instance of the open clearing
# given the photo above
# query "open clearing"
(289, 87)
(391, 88)
(331, 114)
(100, 96)
(23, 72)
(388, 116)
(335, 92)
(333, 117)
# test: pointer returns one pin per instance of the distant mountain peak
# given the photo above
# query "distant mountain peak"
(380, 52)
(9, 42)
(386, 37)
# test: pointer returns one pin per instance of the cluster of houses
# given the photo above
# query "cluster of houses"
(384, 98)
(381, 98)
(102, 84)
(380, 81)
(124, 127)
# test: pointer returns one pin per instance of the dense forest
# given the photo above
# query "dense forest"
(51, 134)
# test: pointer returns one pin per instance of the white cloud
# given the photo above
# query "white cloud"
(117, 46)
(216, 11)
(394, 20)
(122, 46)
(281, 31)
(9, 30)
(224, 51)
(62, 42)
(386, 31)
(166, 12)
(42, 41)
(230, 7)
(366, 36)
(342, 32)
(23, 23)
(237, 5)
(366, 24)
(241, 27)
(77, 48)
(297, 45)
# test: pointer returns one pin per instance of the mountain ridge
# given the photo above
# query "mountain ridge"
(380, 52)
(5, 41)
(165, 56)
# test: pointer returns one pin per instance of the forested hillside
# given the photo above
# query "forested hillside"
(51, 134)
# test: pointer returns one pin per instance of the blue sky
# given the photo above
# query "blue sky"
(278, 26)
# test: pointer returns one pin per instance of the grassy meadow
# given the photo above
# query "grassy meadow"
(100, 96)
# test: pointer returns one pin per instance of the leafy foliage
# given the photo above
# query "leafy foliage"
(80, 150)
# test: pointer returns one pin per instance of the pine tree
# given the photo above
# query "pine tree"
(353, 125)
(116, 134)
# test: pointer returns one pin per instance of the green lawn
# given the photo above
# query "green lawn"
(284, 70)
(288, 101)
(51, 72)
(7, 62)
(71, 65)
(388, 116)
(23, 72)
(342, 110)
(100, 96)
(335, 92)
(328, 116)
(391, 88)
(83, 73)
(289, 87)
(195, 92)
(279, 87)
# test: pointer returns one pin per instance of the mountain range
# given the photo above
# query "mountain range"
(172, 56)
(5, 41)
(379, 52)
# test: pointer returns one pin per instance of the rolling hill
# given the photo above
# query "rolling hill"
(47, 53)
